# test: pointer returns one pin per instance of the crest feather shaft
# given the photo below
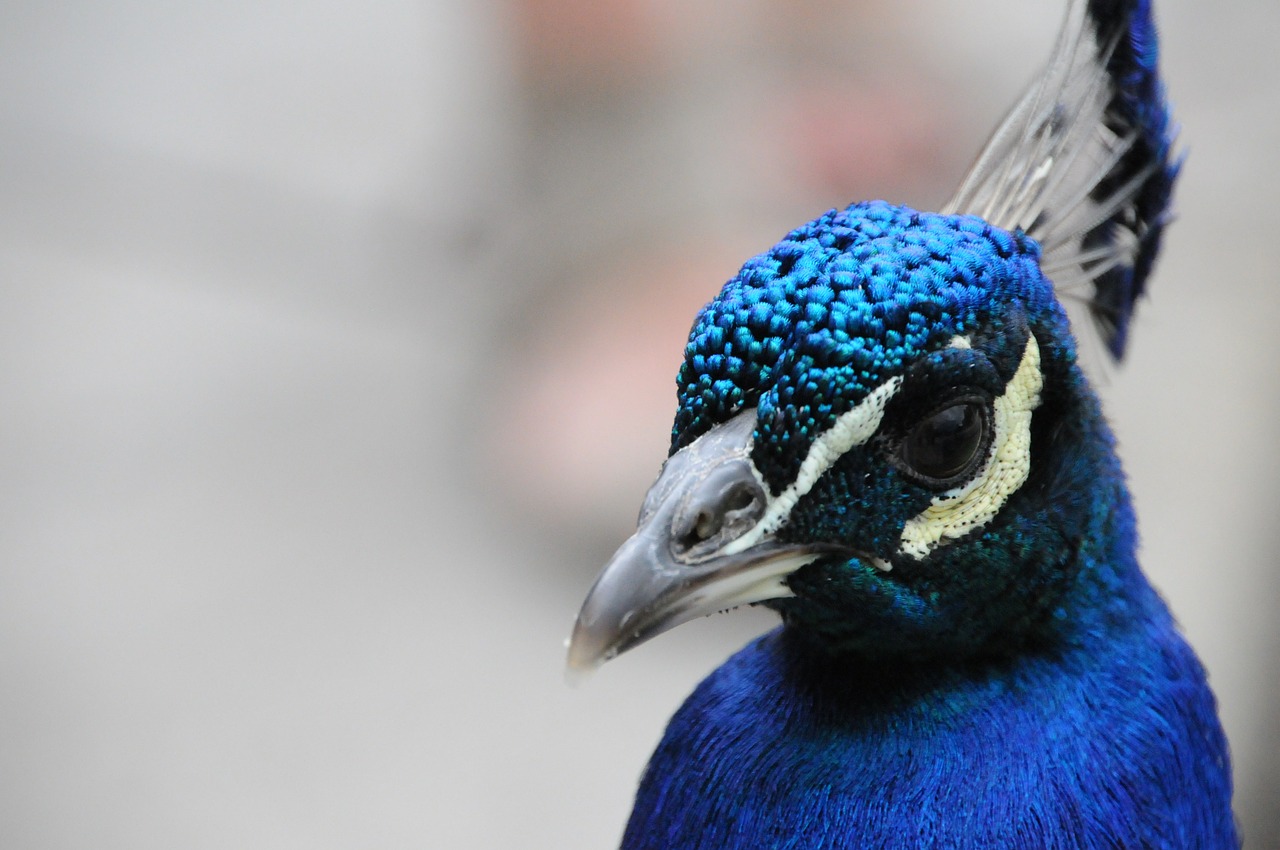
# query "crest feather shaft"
(1084, 162)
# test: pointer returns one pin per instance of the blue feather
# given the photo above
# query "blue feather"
(883, 434)
(777, 750)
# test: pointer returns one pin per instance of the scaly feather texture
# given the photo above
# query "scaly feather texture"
(1022, 687)
(883, 434)
(1083, 721)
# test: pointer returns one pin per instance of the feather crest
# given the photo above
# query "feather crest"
(1084, 162)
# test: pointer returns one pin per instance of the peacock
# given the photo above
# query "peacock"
(884, 434)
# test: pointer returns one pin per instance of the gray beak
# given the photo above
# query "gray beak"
(682, 561)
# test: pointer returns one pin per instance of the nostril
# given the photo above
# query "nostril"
(720, 506)
(707, 525)
(739, 499)
(697, 529)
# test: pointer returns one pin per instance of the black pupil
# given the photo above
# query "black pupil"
(943, 445)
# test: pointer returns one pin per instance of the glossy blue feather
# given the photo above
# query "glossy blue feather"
(809, 327)
(1086, 746)
(1137, 104)
(1017, 682)
(1024, 687)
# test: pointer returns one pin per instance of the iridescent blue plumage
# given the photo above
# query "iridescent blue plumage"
(883, 434)
(808, 328)
(1047, 702)
(1138, 102)
(776, 749)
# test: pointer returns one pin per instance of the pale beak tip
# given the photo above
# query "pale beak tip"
(576, 677)
(584, 654)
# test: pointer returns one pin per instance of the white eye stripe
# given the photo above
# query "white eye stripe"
(957, 512)
(951, 514)
(853, 428)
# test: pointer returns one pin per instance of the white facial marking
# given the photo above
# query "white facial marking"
(851, 429)
(957, 512)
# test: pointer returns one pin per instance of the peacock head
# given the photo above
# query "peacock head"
(855, 431)
(881, 429)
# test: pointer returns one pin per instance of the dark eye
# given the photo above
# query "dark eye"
(946, 444)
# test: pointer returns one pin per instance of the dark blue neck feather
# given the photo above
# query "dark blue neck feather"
(1089, 735)
(1089, 745)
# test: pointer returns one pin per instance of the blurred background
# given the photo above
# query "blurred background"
(337, 349)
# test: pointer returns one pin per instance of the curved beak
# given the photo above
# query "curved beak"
(699, 548)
